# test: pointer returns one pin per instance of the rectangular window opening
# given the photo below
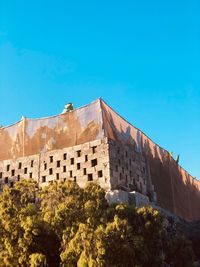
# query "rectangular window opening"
(78, 166)
(19, 165)
(12, 172)
(64, 168)
(25, 170)
(8, 168)
(90, 177)
(50, 171)
(32, 162)
(58, 163)
(57, 176)
(94, 149)
(94, 162)
(84, 171)
(100, 174)
(65, 156)
(43, 179)
(86, 158)
(72, 161)
(45, 166)
(51, 159)
(78, 153)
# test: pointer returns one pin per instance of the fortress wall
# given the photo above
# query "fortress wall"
(176, 190)
(81, 163)
(30, 137)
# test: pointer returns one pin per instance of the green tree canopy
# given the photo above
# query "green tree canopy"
(65, 225)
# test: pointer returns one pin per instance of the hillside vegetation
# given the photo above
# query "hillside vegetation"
(64, 225)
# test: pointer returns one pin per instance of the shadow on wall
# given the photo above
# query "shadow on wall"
(176, 190)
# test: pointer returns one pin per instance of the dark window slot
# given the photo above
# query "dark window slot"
(78, 153)
(94, 149)
(43, 179)
(78, 166)
(100, 174)
(45, 166)
(94, 162)
(90, 177)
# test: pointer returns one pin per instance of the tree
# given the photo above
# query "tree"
(37, 260)
(64, 225)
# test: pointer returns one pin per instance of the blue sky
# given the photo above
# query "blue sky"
(141, 57)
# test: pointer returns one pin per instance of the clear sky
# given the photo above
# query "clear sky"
(141, 57)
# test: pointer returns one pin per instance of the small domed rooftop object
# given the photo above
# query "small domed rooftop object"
(68, 108)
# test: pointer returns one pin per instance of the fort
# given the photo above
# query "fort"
(94, 143)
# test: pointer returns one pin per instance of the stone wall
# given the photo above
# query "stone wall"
(128, 169)
(81, 163)
(109, 163)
